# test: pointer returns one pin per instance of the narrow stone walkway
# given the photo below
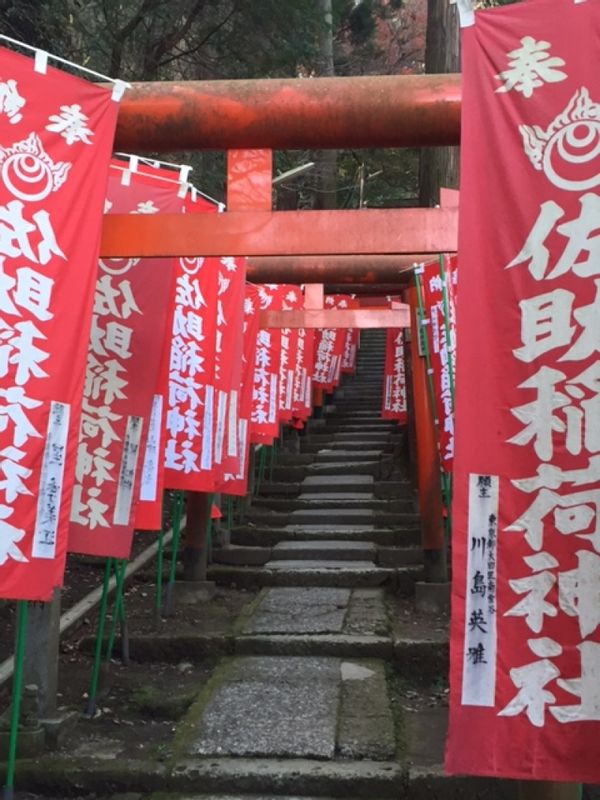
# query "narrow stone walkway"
(306, 699)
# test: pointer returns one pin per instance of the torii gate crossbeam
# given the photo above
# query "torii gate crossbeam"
(291, 114)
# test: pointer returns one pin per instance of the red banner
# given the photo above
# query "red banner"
(394, 377)
(189, 455)
(351, 343)
(236, 482)
(56, 133)
(131, 309)
(329, 346)
(292, 299)
(525, 650)
(228, 363)
(302, 405)
(436, 285)
(264, 425)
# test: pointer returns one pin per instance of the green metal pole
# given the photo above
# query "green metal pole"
(262, 454)
(177, 514)
(17, 690)
(90, 709)
(273, 458)
(159, 574)
(209, 524)
(120, 566)
(229, 507)
(160, 556)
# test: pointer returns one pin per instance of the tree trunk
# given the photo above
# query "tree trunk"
(439, 165)
(326, 160)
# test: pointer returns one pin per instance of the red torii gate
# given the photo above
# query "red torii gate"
(251, 118)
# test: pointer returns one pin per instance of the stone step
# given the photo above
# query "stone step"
(327, 549)
(352, 414)
(339, 483)
(360, 435)
(373, 382)
(312, 610)
(293, 778)
(262, 796)
(290, 474)
(399, 556)
(359, 393)
(262, 536)
(325, 438)
(328, 444)
(351, 497)
(322, 456)
(270, 778)
(359, 403)
(335, 516)
(332, 516)
(334, 501)
(334, 425)
(293, 707)
(344, 550)
(242, 555)
(350, 574)
(342, 645)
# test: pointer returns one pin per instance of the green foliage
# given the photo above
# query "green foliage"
(361, 22)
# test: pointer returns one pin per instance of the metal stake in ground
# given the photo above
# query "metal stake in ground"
(177, 514)
(17, 690)
(159, 575)
(90, 709)
(118, 615)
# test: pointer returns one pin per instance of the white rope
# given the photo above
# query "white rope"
(41, 64)
(466, 12)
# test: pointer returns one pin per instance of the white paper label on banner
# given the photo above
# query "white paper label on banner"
(232, 432)
(479, 657)
(243, 447)
(273, 399)
(51, 482)
(149, 484)
(289, 389)
(220, 431)
(129, 458)
(207, 437)
(308, 395)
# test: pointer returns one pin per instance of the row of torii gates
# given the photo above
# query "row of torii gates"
(251, 118)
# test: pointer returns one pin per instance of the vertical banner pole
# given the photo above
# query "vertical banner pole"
(262, 454)
(272, 459)
(428, 461)
(229, 502)
(120, 565)
(91, 703)
(159, 575)
(447, 477)
(177, 513)
(17, 691)
(422, 334)
(209, 525)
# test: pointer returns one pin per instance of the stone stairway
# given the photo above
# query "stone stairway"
(305, 705)
(338, 513)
